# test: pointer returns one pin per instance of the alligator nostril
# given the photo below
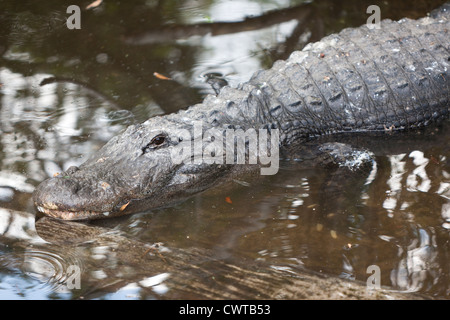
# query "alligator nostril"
(72, 170)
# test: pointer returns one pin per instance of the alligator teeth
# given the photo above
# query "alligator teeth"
(106, 213)
(41, 209)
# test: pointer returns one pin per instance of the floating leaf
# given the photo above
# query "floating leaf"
(228, 199)
(160, 76)
(124, 206)
(94, 4)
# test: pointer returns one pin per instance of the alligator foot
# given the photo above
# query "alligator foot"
(344, 155)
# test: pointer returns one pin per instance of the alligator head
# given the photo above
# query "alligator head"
(146, 166)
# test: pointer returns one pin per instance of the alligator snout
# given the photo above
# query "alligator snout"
(55, 195)
(70, 198)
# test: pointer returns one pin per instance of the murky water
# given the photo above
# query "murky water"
(64, 93)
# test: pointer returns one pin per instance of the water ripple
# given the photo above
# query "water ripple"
(57, 271)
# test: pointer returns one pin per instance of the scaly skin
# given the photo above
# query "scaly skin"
(359, 80)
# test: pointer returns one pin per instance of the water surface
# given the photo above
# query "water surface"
(64, 93)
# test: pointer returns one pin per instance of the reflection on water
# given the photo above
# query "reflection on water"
(253, 238)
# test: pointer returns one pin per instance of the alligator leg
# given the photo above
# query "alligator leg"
(344, 155)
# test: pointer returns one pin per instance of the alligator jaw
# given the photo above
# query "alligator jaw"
(74, 215)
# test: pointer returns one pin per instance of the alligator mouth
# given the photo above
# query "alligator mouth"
(73, 215)
(76, 213)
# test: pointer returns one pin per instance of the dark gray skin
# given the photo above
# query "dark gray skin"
(360, 80)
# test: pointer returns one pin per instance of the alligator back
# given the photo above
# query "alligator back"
(392, 78)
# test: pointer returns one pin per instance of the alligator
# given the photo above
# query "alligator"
(360, 81)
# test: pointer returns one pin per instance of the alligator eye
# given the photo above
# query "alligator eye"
(156, 142)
